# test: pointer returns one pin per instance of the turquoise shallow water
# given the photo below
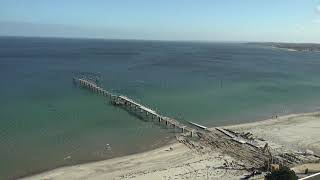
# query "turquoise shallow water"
(44, 118)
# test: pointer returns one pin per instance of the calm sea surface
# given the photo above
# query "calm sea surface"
(46, 122)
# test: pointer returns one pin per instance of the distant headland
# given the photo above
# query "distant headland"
(313, 47)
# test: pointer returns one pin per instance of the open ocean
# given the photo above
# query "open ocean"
(47, 122)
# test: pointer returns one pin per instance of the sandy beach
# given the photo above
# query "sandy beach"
(177, 161)
(297, 131)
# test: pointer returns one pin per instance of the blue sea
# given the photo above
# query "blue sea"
(47, 122)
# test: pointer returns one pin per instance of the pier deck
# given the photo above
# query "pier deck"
(123, 101)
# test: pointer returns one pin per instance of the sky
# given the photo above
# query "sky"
(201, 20)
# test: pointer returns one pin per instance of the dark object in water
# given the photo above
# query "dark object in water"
(52, 108)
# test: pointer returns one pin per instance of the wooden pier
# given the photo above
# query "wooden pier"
(246, 150)
(127, 103)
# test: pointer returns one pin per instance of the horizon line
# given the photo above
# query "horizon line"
(150, 40)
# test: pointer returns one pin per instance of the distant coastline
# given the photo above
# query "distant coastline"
(305, 47)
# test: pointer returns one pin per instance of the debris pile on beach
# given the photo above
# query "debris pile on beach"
(251, 152)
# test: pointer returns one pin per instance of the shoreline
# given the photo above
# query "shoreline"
(272, 120)
(174, 160)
